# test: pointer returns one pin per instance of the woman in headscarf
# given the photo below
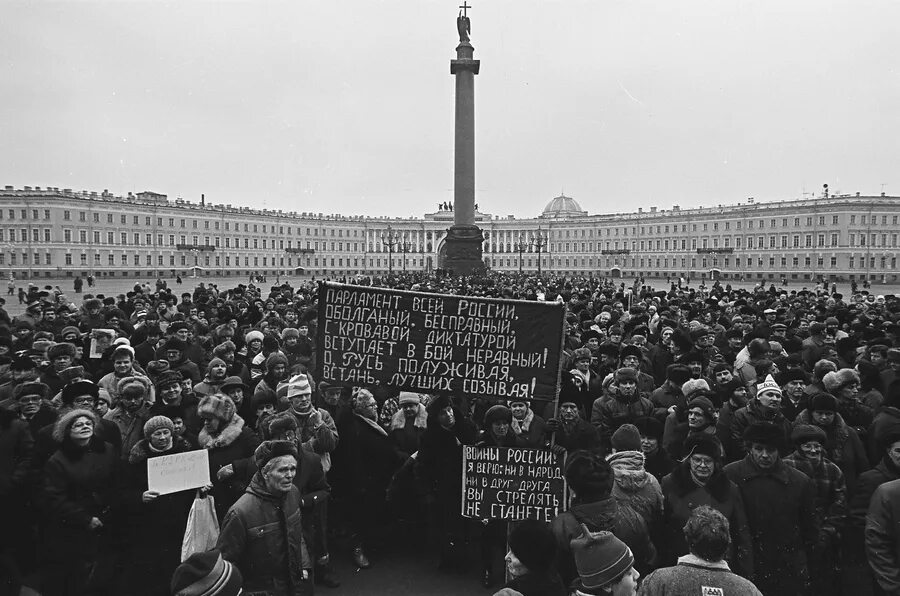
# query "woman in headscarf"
(699, 480)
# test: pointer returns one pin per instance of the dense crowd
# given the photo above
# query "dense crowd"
(713, 437)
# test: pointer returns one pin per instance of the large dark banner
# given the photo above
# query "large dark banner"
(425, 343)
(512, 483)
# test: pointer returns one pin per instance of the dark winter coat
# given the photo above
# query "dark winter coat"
(780, 506)
(234, 442)
(682, 495)
(45, 445)
(882, 540)
(538, 584)
(580, 434)
(749, 414)
(609, 413)
(16, 453)
(364, 461)
(887, 418)
(79, 484)
(843, 447)
(438, 465)
(262, 534)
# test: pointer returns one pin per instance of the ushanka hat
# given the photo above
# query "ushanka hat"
(269, 450)
(601, 558)
(61, 349)
(216, 406)
(803, 433)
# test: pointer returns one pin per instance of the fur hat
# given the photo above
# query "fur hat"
(67, 375)
(581, 354)
(262, 397)
(626, 438)
(157, 367)
(497, 413)
(649, 426)
(589, 475)
(823, 402)
(630, 350)
(289, 332)
(692, 386)
(31, 388)
(269, 450)
(678, 374)
(792, 374)
(216, 406)
(803, 433)
(133, 386)
(66, 331)
(61, 349)
(534, 545)
(274, 359)
(223, 348)
(765, 433)
(280, 423)
(703, 444)
(255, 334)
(206, 574)
(73, 390)
(835, 381)
(64, 423)
(768, 385)
(408, 397)
(156, 423)
(173, 343)
(626, 374)
(167, 378)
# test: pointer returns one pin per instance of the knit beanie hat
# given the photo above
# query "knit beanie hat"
(803, 433)
(600, 558)
(64, 423)
(823, 402)
(692, 386)
(835, 381)
(215, 361)
(274, 359)
(61, 349)
(206, 574)
(408, 397)
(73, 390)
(705, 404)
(533, 544)
(133, 387)
(297, 385)
(768, 385)
(290, 332)
(497, 413)
(269, 450)
(626, 438)
(156, 423)
(156, 367)
(216, 406)
(255, 335)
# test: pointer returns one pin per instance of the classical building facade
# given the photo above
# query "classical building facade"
(51, 233)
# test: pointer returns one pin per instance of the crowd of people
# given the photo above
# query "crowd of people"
(745, 441)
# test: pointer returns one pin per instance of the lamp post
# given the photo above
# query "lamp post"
(194, 251)
(539, 240)
(390, 238)
(405, 247)
(522, 245)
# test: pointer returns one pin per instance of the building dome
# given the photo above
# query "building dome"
(563, 207)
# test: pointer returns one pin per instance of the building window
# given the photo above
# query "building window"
(833, 262)
(68, 258)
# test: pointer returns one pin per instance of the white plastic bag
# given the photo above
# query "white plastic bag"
(202, 530)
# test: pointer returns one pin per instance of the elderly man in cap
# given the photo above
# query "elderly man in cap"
(31, 403)
(262, 533)
(780, 506)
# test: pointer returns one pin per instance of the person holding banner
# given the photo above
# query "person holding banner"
(152, 524)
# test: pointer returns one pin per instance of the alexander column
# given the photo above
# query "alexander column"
(464, 240)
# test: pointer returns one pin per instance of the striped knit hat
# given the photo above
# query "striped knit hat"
(600, 558)
(207, 574)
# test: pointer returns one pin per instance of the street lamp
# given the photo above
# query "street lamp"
(522, 245)
(405, 247)
(539, 240)
(390, 238)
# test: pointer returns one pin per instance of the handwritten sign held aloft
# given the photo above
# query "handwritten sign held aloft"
(512, 483)
(421, 342)
(179, 471)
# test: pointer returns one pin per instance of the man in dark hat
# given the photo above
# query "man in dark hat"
(780, 507)
(173, 350)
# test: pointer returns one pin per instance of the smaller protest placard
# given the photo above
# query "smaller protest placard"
(179, 471)
(512, 483)
(101, 340)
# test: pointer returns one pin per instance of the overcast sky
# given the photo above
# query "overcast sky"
(347, 106)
